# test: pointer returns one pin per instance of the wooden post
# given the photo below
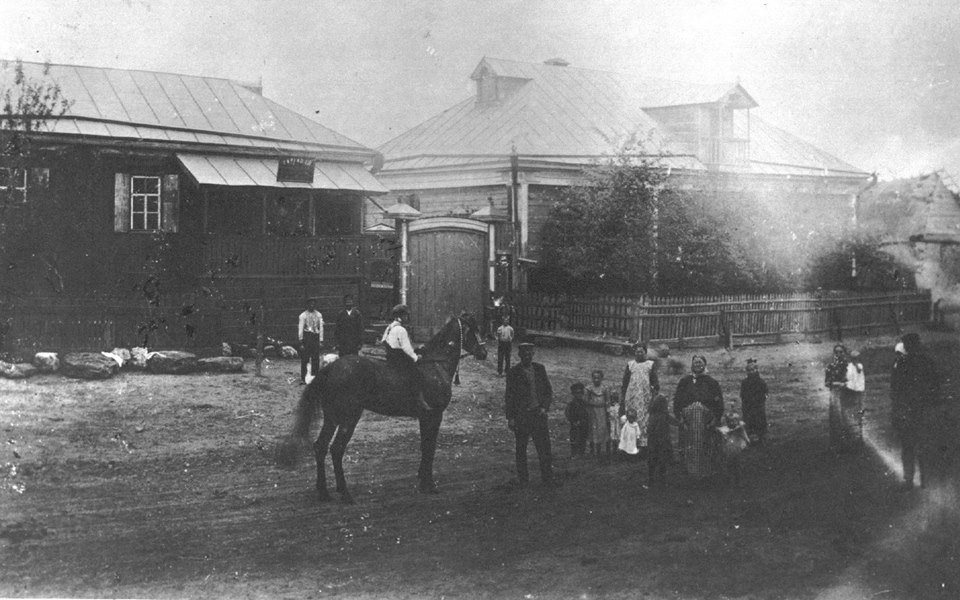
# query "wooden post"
(259, 367)
(404, 259)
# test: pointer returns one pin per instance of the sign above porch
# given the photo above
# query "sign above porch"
(296, 169)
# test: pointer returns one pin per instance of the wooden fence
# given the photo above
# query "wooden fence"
(721, 319)
(79, 324)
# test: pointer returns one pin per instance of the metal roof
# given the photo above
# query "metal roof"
(914, 209)
(165, 106)
(262, 172)
(573, 114)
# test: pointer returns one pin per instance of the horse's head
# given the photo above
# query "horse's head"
(472, 339)
(459, 334)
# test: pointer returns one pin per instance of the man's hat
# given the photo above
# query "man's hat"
(577, 387)
(526, 345)
(751, 361)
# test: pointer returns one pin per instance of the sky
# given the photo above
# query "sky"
(874, 82)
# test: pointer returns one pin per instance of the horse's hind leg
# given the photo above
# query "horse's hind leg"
(320, 452)
(337, 450)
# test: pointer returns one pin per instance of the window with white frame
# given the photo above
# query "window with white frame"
(13, 184)
(144, 203)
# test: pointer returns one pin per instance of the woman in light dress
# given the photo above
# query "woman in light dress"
(640, 385)
(597, 399)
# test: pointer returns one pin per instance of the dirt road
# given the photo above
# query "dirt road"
(164, 486)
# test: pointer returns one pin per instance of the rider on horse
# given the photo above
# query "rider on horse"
(400, 354)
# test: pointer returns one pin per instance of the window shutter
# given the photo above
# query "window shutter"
(170, 199)
(38, 179)
(121, 202)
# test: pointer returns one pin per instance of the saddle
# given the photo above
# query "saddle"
(408, 379)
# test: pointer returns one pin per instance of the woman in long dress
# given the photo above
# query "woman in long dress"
(640, 385)
(597, 399)
(835, 380)
(698, 444)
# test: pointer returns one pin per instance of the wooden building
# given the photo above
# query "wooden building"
(917, 221)
(196, 206)
(531, 129)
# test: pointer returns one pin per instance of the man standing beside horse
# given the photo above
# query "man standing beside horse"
(349, 331)
(527, 401)
(310, 334)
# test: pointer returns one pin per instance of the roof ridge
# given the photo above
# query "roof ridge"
(644, 78)
(243, 84)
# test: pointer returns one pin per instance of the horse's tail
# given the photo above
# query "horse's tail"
(288, 451)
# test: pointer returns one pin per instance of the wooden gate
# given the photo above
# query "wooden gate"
(447, 271)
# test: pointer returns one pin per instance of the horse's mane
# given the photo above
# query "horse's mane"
(438, 343)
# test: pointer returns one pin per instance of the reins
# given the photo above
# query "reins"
(456, 372)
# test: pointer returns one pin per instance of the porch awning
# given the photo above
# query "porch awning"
(262, 172)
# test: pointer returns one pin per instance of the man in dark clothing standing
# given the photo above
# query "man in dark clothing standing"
(349, 331)
(914, 386)
(527, 400)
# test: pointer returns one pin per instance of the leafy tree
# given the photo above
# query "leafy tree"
(29, 105)
(602, 235)
(626, 231)
(857, 263)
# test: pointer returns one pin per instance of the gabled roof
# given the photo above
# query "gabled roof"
(179, 108)
(915, 209)
(569, 112)
(647, 92)
(564, 114)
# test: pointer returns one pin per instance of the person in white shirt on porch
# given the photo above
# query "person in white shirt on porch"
(310, 334)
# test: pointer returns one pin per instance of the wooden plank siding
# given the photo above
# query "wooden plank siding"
(220, 307)
(754, 318)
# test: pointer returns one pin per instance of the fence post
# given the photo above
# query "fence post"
(726, 336)
(835, 319)
(893, 317)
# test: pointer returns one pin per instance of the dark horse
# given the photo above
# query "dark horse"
(352, 384)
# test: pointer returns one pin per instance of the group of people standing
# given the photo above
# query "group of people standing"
(914, 395)
(348, 334)
(636, 419)
(845, 379)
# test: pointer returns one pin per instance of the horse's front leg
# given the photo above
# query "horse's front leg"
(337, 450)
(429, 432)
(320, 453)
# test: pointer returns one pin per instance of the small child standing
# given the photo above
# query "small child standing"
(613, 423)
(504, 345)
(658, 439)
(598, 397)
(577, 415)
(753, 402)
(629, 435)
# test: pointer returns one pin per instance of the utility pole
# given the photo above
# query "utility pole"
(515, 217)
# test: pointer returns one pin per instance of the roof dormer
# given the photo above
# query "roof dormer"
(494, 86)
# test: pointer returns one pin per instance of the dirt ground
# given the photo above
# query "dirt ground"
(155, 486)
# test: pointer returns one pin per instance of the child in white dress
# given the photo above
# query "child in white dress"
(613, 423)
(629, 435)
